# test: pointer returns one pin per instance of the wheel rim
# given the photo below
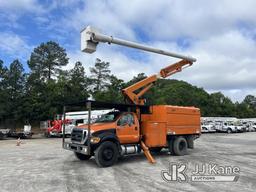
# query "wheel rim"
(108, 154)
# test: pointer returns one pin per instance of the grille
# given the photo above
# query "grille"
(78, 135)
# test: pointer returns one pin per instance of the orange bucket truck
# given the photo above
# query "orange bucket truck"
(134, 126)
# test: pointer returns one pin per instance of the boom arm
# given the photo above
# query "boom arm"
(144, 85)
(90, 38)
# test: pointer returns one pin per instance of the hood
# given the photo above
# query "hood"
(99, 126)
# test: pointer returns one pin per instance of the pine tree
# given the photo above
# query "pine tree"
(100, 74)
(47, 59)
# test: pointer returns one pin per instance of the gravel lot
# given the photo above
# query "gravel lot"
(42, 165)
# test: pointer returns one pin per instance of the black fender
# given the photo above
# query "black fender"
(106, 135)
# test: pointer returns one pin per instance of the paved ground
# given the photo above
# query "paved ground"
(42, 165)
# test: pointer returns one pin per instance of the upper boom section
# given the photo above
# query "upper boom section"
(135, 92)
(90, 38)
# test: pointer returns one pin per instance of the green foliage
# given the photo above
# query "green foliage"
(100, 75)
(3, 86)
(77, 85)
(136, 79)
(13, 84)
(47, 59)
(113, 91)
(41, 94)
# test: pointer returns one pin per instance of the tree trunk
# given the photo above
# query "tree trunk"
(49, 72)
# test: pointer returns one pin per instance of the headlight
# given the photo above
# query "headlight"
(95, 140)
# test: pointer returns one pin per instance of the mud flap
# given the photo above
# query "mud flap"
(190, 141)
(147, 152)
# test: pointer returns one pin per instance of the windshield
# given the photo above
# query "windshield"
(109, 117)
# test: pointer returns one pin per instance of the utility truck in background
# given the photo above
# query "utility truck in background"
(72, 119)
(233, 127)
(208, 127)
(134, 126)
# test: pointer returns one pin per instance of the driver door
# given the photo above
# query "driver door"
(128, 129)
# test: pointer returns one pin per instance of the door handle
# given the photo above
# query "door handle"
(136, 128)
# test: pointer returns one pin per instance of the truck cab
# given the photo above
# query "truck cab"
(232, 127)
(122, 126)
(208, 127)
(111, 135)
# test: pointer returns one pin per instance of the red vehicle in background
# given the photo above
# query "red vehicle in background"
(55, 127)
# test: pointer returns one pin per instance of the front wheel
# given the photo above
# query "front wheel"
(82, 157)
(106, 154)
(229, 131)
(180, 146)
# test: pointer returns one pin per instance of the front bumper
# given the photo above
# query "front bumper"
(76, 148)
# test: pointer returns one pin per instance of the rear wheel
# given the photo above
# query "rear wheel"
(106, 154)
(82, 157)
(180, 146)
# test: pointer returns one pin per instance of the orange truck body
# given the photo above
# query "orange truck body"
(154, 127)
(169, 120)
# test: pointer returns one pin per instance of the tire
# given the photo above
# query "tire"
(229, 130)
(180, 146)
(155, 149)
(106, 154)
(82, 157)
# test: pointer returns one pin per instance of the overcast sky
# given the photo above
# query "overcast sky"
(220, 34)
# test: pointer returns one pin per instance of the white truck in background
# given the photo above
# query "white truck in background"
(232, 127)
(249, 123)
(208, 127)
(223, 124)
